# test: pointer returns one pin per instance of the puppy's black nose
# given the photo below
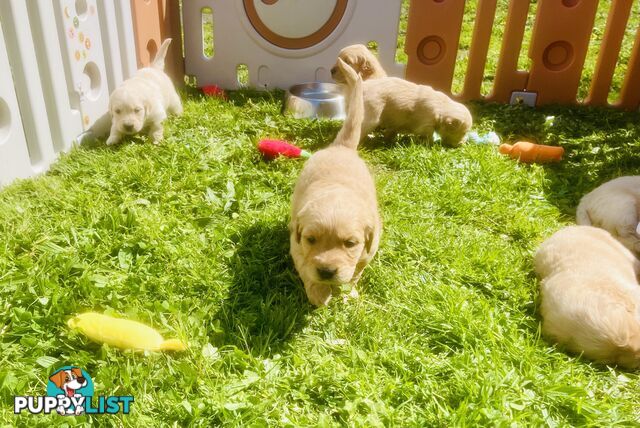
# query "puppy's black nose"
(128, 127)
(334, 70)
(326, 273)
(81, 379)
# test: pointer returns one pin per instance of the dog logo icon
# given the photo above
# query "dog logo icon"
(72, 383)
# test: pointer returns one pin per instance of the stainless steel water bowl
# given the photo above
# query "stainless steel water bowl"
(315, 100)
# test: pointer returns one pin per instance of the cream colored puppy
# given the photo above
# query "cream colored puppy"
(335, 226)
(615, 207)
(590, 297)
(401, 106)
(362, 60)
(143, 101)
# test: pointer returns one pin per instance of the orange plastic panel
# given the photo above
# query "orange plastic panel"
(433, 33)
(154, 21)
(630, 94)
(479, 47)
(508, 78)
(609, 51)
(558, 48)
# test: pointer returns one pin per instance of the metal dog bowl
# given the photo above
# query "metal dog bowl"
(315, 100)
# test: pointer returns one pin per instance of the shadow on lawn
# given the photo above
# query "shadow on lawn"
(266, 304)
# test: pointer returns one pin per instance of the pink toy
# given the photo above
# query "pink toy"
(214, 91)
(271, 149)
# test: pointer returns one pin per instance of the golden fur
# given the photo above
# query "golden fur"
(590, 297)
(335, 225)
(143, 101)
(405, 107)
(362, 60)
(615, 207)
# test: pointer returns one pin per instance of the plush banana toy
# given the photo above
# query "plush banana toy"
(123, 334)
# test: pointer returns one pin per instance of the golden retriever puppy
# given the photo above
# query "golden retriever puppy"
(335, 225)
(143, 101)
(590, 297)
(401, 106)
(362, 60)
(615, 207)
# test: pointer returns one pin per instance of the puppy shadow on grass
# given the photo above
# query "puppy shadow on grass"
(266, 304)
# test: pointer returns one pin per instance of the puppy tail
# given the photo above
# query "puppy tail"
(158, 61)
(350, 133)
(582, 215)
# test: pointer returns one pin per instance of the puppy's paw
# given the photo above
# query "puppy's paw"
(353, 294)
(112, 140)
(318, 294)
(156, 136)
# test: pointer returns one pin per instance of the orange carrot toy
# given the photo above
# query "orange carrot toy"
(527, 152)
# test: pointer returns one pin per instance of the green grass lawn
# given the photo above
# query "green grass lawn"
(191, 237)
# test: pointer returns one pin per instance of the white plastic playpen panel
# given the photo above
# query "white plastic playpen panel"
(237, 42)
(59, 60)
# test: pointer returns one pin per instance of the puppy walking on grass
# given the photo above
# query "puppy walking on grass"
(590, 297)
(335, 225)
(143, 101)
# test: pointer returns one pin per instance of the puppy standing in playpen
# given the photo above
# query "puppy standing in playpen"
(400, 106)
(615, 207)
(143, 101)
(335, 225)
(590, 296)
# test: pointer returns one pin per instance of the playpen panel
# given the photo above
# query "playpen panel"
(14, 155)
(117, 41)
(81, 40)
(269, 65)
(559, 46)
(433, 33)
(508, 78)
(154, 21)
(21, 52)
(630, 93)
(64, 119)
(479, 48)
(609, 51)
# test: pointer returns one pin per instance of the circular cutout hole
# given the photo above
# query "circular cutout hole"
(570, 3)
(5, 121)
(431, 50)
(558, 56)
(81, 8)
(93, 80)
(438, 1)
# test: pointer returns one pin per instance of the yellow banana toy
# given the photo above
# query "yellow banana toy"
(122, 333)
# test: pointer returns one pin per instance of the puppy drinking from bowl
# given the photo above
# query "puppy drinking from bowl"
(615, 207)
(400, 106)
(590, 297)
(143, 101)
(335, 225)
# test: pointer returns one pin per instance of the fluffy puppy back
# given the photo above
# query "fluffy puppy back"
(158, 61)
(349, 134)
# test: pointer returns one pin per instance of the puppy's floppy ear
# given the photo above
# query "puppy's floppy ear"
(294, 227)
(58, 378)
(77, 371)
(368, 238)
(365, 68)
